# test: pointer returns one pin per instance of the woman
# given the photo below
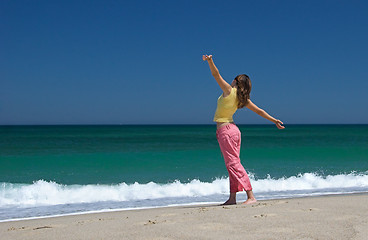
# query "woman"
(234, 96)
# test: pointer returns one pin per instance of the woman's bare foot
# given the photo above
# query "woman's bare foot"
(250, 201)
(229, 202)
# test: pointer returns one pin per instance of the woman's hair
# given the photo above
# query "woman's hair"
(244, 86)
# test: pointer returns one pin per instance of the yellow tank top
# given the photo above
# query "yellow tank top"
(226, 107)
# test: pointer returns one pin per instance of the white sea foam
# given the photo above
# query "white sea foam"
(43, 193)
(312, 181)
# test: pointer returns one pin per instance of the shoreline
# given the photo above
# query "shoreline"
(342, 216)
(200, 204)
(106, 211)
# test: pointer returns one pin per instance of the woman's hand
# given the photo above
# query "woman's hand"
(206, 57)
(278, 124)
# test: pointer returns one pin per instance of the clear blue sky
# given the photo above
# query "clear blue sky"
(139, 62)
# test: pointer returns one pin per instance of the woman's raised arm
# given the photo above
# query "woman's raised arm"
(226, 88)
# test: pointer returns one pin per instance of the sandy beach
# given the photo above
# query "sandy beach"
(326, 217)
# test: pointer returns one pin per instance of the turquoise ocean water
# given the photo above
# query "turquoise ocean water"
(52, 170)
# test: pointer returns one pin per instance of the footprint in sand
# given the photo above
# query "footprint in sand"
(264, 215)
(14, 229)
(202, 209)
(270, 203)
(312, 209)
(43, 227)
(261, 205)
(150, 222)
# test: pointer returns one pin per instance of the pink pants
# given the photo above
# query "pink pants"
(229, 139)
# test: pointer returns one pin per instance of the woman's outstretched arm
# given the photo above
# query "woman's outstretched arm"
(264, 114)
(226, 88)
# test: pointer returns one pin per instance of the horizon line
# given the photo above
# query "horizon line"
(168, 124)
